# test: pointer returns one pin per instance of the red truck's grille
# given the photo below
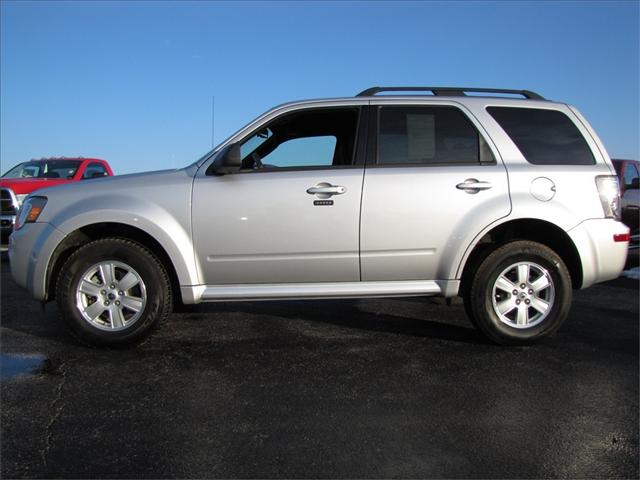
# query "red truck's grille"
(8, 202)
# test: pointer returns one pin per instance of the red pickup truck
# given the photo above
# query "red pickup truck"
(30, 176)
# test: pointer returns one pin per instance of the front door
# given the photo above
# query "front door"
(292, 214)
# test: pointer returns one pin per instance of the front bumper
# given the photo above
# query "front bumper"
(6, 227)
(602, 258)
(9, 206)
(30, 250)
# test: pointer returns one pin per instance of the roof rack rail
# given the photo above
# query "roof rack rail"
(450, 91)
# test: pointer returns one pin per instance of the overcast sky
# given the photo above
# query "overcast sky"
(133, 82)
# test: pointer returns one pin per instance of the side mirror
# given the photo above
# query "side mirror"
(228, 161)
(635, 184)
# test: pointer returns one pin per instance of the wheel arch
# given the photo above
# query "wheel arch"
(541, 231)
(88, 233)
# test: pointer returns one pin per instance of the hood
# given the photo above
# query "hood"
(27, 185)
(133, 182)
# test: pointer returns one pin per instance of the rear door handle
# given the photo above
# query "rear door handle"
(473, 185)
(325, 190)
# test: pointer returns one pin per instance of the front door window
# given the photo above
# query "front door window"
(318, 138)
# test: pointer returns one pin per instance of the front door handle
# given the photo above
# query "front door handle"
(473, 185)
(326, 190)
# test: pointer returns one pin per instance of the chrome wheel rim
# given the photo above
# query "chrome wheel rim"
(111, 296)
(523, 295)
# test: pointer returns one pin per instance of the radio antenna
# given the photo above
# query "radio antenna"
(213, 124)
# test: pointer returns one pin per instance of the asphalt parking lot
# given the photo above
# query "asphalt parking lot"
(352, 388)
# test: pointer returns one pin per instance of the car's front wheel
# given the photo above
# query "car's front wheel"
(113, 292)
(520, 293)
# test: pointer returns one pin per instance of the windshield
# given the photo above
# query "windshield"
(44, 169)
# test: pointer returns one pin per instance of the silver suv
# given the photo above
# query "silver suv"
(508, 202)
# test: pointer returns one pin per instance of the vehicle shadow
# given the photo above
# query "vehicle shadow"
(434, 323)
(36, 322)
(412, 316)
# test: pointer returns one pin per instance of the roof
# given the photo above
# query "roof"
(49, 159)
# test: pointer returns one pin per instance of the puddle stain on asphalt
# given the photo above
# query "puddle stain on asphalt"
(12, 366)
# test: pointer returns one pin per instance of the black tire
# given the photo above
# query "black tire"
(152, 284)
(504, 329)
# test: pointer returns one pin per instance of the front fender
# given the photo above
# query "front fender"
(172, 230)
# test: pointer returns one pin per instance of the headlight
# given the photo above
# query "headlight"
(609, 195)
(20, 197)
(30, 211)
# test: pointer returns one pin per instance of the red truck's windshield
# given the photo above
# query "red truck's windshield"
(65, 169)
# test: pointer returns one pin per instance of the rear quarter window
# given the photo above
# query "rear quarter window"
(545, 137)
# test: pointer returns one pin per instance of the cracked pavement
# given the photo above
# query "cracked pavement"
(55, 411)
(334, 389)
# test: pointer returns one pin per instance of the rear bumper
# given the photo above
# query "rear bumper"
(602, 258)
(30, 250)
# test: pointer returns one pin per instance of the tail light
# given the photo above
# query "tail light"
(621, 237)
(609, 192)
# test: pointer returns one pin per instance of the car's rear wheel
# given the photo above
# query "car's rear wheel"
(520, 293)
(113, 292)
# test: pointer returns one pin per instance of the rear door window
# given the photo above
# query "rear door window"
(433, 135)
(95, 170)
(544, 137)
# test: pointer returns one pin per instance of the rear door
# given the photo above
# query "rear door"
(432, 182)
